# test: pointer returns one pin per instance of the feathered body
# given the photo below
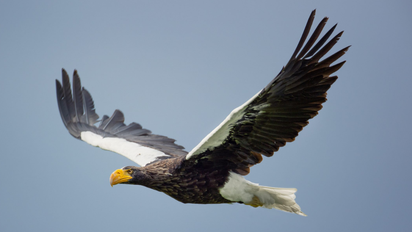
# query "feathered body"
(186, 182)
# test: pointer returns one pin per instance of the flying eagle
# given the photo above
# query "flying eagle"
(213, 171)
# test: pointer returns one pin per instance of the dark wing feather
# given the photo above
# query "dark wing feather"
(279, 112)
(78, 114)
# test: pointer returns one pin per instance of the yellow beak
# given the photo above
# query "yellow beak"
(119, 176)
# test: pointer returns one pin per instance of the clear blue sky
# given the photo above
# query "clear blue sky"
(178, 68)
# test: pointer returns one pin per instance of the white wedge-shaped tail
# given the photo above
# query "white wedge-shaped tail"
(238, 189)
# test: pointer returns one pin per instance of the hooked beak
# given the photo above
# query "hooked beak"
(119, 176)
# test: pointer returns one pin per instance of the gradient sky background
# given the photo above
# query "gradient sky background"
(178, 68)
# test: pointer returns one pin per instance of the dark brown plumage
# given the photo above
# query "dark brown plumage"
(187, 182)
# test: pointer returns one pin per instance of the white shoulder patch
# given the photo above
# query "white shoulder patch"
(137, 153)
(219, 134)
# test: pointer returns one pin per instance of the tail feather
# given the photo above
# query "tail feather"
(279, 198)
(238, 189)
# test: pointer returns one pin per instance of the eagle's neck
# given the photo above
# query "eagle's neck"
(156, 175)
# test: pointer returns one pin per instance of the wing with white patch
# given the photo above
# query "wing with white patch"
(132, 141)
(278, 112)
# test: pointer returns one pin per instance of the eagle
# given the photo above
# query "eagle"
(213, 172)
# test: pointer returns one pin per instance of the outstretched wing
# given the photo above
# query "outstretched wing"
(132, 141)
(278, 112)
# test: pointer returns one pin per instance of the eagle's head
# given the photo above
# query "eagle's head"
(125, 175)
